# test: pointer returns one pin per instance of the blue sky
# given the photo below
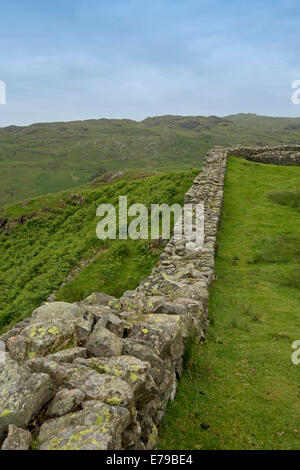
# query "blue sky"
(67, 60)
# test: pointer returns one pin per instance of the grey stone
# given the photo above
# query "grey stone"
(67, 355)
(39, 339)
(95, 386)
(15, 330)
(161, 333)
(97, 427)
(112, 323)
(98, 311)
(144, 353)
(57, 311)
(64, 402)
(17, 439)
(83, 328)
(51, 326)
(22, 395)
(98, 298)
(171, 308)
(130, 369)
(103, 343)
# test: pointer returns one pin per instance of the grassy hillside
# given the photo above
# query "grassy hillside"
(44, 158)
(240, 390)
(42, 241)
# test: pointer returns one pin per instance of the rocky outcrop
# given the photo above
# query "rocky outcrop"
(99, 374)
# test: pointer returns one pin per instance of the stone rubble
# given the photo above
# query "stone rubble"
(99, 374)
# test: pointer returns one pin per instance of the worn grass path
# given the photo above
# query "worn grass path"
(240, 390)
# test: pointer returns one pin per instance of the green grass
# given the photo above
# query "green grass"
(287, 198)
(240, 390)
(116, 270)
(52, 157)
(38, 255)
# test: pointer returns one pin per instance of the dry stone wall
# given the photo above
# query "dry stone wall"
(288, 155)
(99, 374)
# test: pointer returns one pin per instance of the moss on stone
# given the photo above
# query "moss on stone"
(133, 377)
(54, 330)
(114, 401)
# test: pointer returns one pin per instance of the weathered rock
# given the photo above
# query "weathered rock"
(152, 439)
(67, 355)
(57, 311)
(95, 386)
(191, 312)
(161, 333)
(159, 285)
(97, 427)
(98, 311)
(171, 308)
(132, 437)
(103, 342)
(17, 346)
(112, 323)
(167, 390)
(83, 328)
(111, 390)
(4, 356)
(64, 402)
(131, 370)
(51, 326)
(144, 353)
(15, 330)
(39, 339)
(17, 439)
(139, 302)
(98, 298)
(22, 395)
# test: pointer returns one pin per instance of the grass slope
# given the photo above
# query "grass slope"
(44, 158)
(240, 390)
(38, 254)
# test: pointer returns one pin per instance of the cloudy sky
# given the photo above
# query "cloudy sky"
(78, 59)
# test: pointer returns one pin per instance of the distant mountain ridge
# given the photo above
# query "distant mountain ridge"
(50, 157)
